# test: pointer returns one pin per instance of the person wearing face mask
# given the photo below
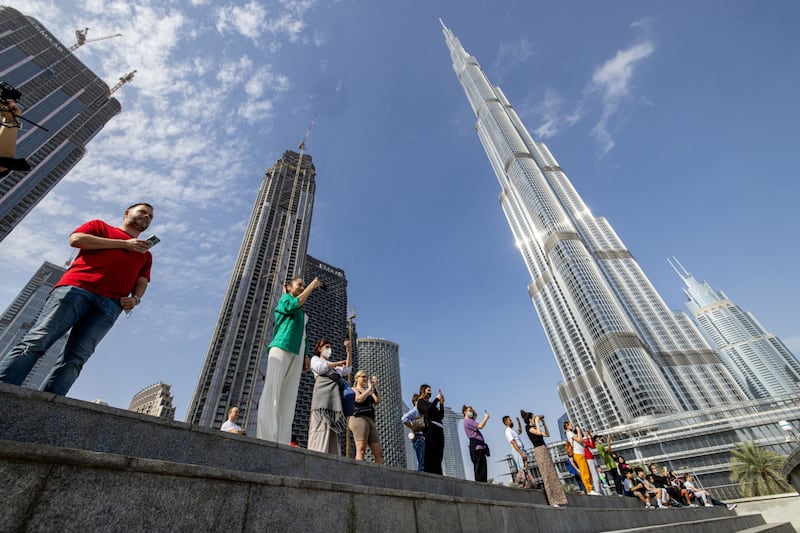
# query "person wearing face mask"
(327, 417)
(287, 352)
(478, 449)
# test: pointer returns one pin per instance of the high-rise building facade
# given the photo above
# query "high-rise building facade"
(453, 460)
(22, 313)
(382, 358)
(273, 250)
(155, 400)
(622, 352)
(60, 93)
(327, 319)
(760, 361)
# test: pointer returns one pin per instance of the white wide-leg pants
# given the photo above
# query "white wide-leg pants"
(278, 399)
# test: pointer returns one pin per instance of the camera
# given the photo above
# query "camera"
(8, 92)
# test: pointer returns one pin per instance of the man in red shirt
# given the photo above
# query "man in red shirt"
(110, 273)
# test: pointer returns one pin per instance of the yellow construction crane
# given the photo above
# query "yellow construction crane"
(80, 35)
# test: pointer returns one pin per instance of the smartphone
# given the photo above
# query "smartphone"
(152, 240)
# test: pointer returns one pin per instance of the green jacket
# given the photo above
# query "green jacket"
(290, 323)
(609, 461)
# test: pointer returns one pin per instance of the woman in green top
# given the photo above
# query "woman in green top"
(287, 352)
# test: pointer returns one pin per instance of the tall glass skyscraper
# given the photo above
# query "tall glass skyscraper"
(61, 94)
(760, 361)
(622, 353)
(273, 250)
(22, 314)
(453, 459)
(382, 358)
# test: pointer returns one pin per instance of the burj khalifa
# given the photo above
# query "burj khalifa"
(622, 352)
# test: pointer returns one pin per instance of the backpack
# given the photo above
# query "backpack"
(348, 398)
(568, 447)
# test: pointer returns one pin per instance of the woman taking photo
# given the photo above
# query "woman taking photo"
(287, 351)
(327, 417)
(362, 423)
(478, 449)
(537, 431)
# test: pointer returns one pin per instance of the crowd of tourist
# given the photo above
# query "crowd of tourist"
(595, 467)
(657, 489)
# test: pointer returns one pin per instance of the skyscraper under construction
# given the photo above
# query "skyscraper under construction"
(60, 93)
(273, 250)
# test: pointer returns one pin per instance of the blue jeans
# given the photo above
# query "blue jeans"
(89, 315)
(419, 449)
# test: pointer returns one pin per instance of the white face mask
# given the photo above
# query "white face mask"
(326, 353)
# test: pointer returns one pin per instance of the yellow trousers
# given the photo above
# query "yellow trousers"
(583, 468)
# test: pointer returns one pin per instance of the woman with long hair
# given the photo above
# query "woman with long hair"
(536, 430)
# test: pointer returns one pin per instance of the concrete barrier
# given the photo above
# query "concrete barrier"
(67, 465)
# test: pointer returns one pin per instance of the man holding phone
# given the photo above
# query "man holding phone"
(109, 275)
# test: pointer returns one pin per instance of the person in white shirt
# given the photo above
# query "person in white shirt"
(512, 436)
(575, 437)
(230, 424)
(327, 415)
(704, 495)
(413, 420)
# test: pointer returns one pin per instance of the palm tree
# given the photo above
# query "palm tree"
(757, 470)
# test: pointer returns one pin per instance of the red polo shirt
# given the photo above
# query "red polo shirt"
(111, 272)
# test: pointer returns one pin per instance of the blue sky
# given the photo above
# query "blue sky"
(677, 121)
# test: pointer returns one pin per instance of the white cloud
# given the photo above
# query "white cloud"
(549, 109)
(248, 20)
(255, 110)
(234, 72)
(264, 79)
(613, 81)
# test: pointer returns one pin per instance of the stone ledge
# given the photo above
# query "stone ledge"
(46, 488)
(42, 418)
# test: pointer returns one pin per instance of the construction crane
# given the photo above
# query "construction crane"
(80, 35)
(122, 81)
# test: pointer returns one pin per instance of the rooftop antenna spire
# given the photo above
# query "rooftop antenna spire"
(308, 132)
(685, 274)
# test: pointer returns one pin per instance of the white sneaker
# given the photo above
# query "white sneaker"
(709, 505)
(731, 506)
(595, 493)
